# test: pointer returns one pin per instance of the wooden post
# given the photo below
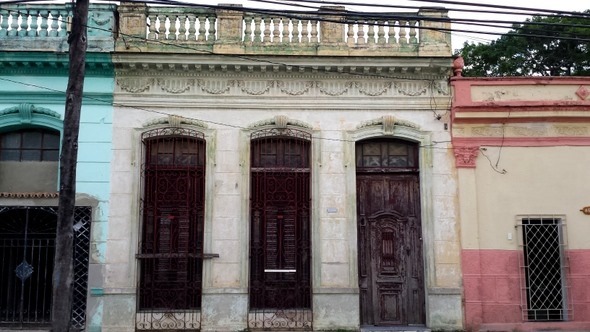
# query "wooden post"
(63, 273)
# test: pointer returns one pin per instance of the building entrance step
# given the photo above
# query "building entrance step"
(394, 329)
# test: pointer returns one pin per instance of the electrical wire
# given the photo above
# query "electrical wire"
(116, 104)
(353, 17)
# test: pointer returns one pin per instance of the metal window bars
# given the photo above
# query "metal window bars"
(543, 268)
(27, 250)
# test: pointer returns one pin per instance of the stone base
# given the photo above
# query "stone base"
(224, 311)
(444, 310)
(336, 311)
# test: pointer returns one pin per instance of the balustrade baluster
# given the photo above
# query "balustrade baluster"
(182, 27)
(62, 23)
(13, 25)
(314, 32)
(403, 32)
(4, 23)
(54, 23)
(350, 33)
(24, 25)
(247, 29)
(275, 30)
(257, 29)
(361, 33)
(35, 24)
(305, 31)
(283, 31)
(192, 30)
(381, 32)
(212, 31)
(413, 32)
(202, 28)
(44, 31)
(371, 34)
(266, 30)
(172, 31)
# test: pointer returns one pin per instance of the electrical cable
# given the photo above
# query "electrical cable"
(116, 104)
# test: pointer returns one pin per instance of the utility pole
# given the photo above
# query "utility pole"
(63, 273)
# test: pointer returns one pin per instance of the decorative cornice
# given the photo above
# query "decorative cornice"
(275, 87)
(174, 121)
(388, 122)
(25, 112)
(29, 195)
(280, 121)
(465, 156)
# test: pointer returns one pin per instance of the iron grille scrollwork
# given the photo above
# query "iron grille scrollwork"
(27, 252)
(171, 247)
(280, 243)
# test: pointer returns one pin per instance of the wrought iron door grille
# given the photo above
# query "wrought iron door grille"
(171, 246)
(280, 245)
(544, 270)
(27, 250)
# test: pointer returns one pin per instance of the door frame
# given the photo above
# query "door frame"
(389, 127)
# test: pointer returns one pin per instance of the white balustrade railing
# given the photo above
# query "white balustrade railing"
(21, 21)
(175, 25)
(276, 29)
(383, 32)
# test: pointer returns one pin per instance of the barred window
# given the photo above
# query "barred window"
(543, 268)
(29, 145)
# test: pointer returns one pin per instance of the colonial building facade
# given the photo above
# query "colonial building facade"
(251, 170)
(33, 80)
(275, 172)
(522, 146)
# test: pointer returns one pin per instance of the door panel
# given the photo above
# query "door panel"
(390, 249)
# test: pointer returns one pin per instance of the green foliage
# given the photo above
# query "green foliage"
(520, 53)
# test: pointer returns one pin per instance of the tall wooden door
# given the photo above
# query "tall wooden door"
(391, 277)
(280, 252)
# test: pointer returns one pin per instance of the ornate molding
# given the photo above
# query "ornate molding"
(334, 89)
(255, 88)
(135, 85)
(529, 132)
(280, 121)
(175, 86)
(373, 88)
(411, 89)
(215, 87)
(295, 88)
(487, 131)
(465, 156)
(174, 121)
(29, 195)
(389, 123)
(571, 131)
(26, 111)
(289, 87)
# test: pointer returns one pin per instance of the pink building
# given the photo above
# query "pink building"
(522, 148)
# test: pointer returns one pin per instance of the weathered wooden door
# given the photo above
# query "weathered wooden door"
(391, 277)
(280, 224)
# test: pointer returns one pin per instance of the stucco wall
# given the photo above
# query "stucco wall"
(335, 122)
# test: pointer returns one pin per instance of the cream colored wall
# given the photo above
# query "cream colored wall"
(538, 181)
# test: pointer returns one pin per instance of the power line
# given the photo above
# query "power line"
(354, 16)
(110, 102)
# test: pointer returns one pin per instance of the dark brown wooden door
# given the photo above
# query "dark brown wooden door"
(280, 252)
(391, 277)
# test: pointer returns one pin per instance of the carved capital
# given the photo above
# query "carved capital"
(465, 156)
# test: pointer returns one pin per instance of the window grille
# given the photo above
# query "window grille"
(171, 244)
(543, 268)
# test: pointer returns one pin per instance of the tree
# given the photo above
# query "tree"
(523, 52)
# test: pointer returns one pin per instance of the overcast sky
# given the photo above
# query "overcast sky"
(458, 37)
